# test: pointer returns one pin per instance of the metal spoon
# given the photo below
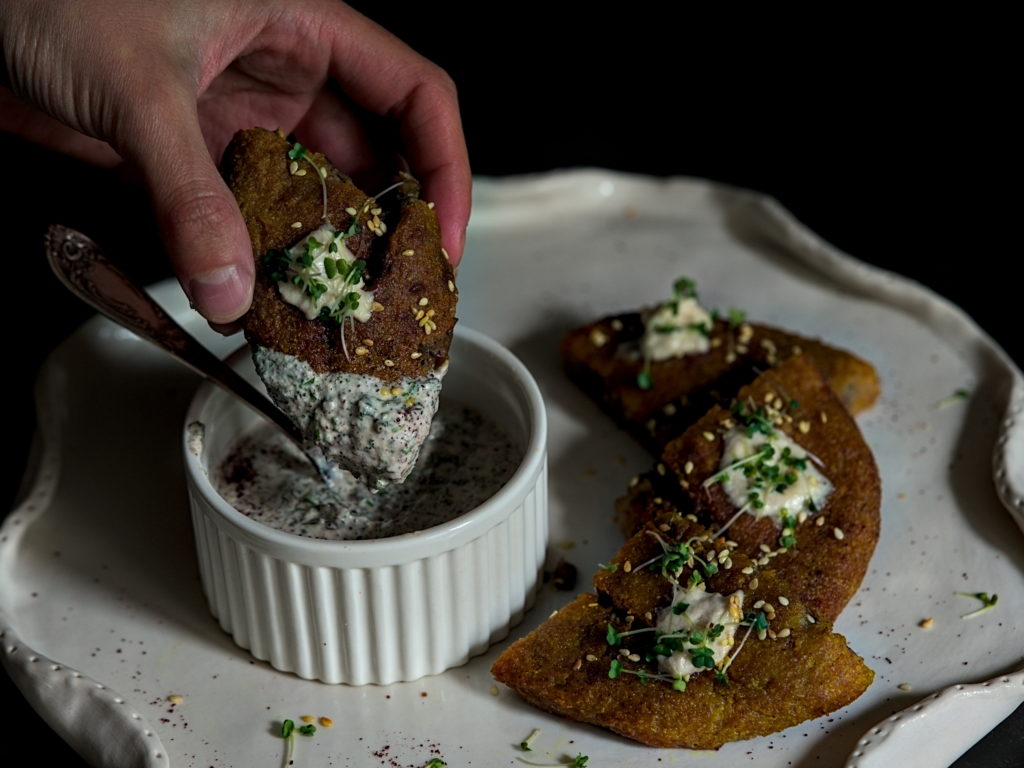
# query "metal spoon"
(85, 270)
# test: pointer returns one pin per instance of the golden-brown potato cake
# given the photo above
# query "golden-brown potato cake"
(828, 561)
(603, 359)
(409, 275)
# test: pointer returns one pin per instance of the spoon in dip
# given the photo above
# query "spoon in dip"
(82, 266)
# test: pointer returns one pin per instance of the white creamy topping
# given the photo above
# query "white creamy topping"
(763, 482)
(714, 616)
(321, 259)
(679, 327)
(371, 428)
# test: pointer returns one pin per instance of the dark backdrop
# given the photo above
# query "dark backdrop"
(889, 137)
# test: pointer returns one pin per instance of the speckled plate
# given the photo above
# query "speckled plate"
(102, 616)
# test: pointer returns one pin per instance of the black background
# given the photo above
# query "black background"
(889, 137)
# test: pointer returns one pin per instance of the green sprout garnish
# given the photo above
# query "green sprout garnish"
(956, 397)
(435, 762)
(643, 379)
(288, 734)
(987, 602)
(299, 152)
(526, 743)
(611, 568)
(307, 730)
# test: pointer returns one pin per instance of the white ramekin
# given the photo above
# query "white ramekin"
(329, 610)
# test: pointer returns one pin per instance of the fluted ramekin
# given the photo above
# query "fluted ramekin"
(330, 610)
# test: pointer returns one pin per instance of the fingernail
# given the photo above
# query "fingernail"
(221, 294)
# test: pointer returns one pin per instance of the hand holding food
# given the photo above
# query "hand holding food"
(167, 97)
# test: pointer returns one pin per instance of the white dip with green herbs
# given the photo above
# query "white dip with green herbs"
(369, 427)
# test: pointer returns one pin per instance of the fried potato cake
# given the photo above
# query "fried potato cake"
(597, 661)
(354, 305)
(604, 359)
(826, 552)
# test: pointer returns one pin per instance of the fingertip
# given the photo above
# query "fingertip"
(222, 294)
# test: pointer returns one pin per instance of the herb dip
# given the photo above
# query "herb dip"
(360, 423)
(465, 460)
(703, 621)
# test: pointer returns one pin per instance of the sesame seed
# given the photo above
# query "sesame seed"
(761, 634)
(301, 172)
(552, 614)
(627, 567)
(579, 663)
(771, 634)
(430, 205)
(351, 211)
(664, 527)
(838, 533)
(669, 410)
(420, 314)
(451, 286)
(175, 698)
(657, 500)
(598, 337)
(493, 690)
(307, 719)
(591, 657)
(769, 396)
(424, 301)
(634, 480)
(326, 722)
(811, 619)
(926, 623)
(368, 342)
(728, 563)
(783, 633)
(661, 469)
(764, 560)
(389, 363)
(376, 211)
(820, 521)
(296, 225)
(797, 350)
(616, 325)
(765, 548)
(691, 517)
(804, 426)
(709, 436)
(730, 357)
(905, 687)
(408, 252)
(293, 166)
(362, 351)
(416, 355)
(824, 417)
(758, 604)
(783, 600)
(634, 657)
(741, 348)
(445, 254)
(378, 307)
(753, 582)
(323, 173)
(748, 570)
(684, 484)
(651, 425)
(777, 404)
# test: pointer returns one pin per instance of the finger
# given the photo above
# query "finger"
(386, 77)
(202, 227)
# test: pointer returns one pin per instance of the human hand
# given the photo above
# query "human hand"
(165, 85)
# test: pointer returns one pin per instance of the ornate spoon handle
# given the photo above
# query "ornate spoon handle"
(85, 270)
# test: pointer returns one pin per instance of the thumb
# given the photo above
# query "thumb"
(198, 217)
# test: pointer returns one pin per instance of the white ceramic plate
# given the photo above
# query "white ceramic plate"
(102, 616)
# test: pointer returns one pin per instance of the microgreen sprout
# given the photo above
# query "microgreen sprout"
(299, 152)
(643, 379)
(956, 397)
(987, 602)
(288, 734)
(526, 743)
(611, 567)
(435, 762)
(307, 730)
